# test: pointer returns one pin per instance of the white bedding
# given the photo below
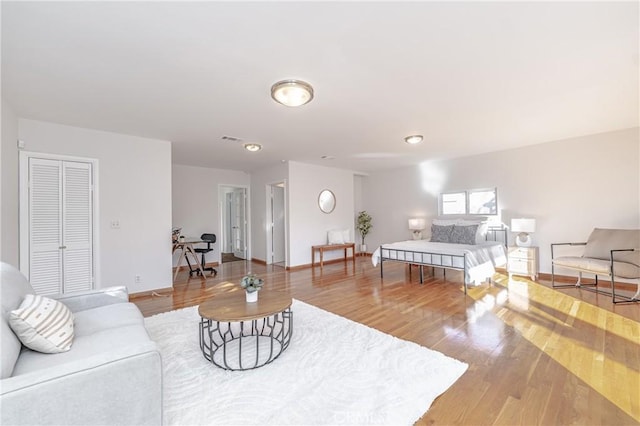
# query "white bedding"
(481, 259)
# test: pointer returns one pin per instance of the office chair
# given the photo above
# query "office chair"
(209, 239)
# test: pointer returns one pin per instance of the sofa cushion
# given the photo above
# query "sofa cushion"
(602, 241)
(43, 324)
(14, 286)
(598, 266)
(106, 317)
(83, 347)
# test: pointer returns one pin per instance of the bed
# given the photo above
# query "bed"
(477, 256)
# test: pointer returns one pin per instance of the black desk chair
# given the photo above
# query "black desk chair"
(209, 239)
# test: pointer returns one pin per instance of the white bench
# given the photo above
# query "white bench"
(608, 252)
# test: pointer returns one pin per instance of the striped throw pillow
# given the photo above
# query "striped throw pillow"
(43, 324)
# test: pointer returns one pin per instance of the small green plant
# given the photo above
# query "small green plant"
(363, 224)
(251, 283)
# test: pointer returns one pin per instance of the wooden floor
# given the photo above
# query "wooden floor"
(535, 355)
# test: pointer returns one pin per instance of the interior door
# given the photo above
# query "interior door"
(228, 225)
(277, 215)
(45, 225)
(60, 225)
(238, 222)
(77, 225)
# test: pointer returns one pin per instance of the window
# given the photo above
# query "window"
(474, 201)
(454, 203)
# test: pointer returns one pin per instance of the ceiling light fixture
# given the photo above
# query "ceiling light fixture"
(292, 93)
(253, 147)
(413, 139)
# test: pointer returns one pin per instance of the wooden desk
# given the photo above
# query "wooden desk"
(331, 247)
(186, 248)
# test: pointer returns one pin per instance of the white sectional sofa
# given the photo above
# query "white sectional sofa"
(613, 253)
(112, 375)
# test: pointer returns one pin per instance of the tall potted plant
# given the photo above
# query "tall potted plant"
(363, 225)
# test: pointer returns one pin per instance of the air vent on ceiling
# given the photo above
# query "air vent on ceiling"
(231, 138)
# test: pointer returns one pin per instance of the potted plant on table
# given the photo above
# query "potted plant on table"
(363, 225)
(251, 284)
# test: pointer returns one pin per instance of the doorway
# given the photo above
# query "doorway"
(233, 215)
(276, 238)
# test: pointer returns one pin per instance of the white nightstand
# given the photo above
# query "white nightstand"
(523, 261)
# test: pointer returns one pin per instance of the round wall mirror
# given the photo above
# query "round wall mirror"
(327, 201)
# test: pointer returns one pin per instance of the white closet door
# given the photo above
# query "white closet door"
(45, 236)
(77, 255)
(60, 226)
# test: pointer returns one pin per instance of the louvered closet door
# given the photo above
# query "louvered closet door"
(77, 256)
(45, 227)
(60, 223)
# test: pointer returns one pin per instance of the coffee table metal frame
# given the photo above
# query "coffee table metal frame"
(218, 335)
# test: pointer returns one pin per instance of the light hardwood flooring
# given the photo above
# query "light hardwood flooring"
(535, 355)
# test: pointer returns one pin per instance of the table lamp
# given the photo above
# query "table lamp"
(523, 227)
(416, 225)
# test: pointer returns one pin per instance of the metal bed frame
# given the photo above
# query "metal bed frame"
(401, 256)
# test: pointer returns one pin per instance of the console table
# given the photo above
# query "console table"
(331, 247)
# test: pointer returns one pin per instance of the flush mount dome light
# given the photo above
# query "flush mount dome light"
(253, 147)
(292, 93)
(413, 139)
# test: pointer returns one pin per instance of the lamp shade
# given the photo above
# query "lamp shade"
(523, 225)
(416, 224)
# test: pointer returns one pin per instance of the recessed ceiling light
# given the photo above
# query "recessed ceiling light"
(328, 157)
(253, 147)
(413, 139)
(292, 93)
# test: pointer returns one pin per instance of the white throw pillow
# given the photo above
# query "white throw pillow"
(444, 222)
(43, 324)
(345, 236)
(335, 237)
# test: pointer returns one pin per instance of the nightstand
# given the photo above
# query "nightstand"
(523, 261)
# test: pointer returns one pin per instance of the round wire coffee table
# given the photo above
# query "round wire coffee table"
(236, 335)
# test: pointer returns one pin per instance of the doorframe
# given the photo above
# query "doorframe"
(222, 202)
(23, 201)
(269, 213)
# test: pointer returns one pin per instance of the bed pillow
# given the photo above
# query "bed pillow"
(481, 232)
(464, 234)
(345, 236)
(444, 222)
(441, 234)
(335, 237)
(43, 324)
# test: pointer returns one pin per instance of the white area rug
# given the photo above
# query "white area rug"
(335, 371)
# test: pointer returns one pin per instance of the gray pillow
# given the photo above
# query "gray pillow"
(441, 234)
(464, 234)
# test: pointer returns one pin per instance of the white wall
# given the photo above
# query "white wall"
(196, 207)
(358, 203)
(568, 186)
(134, 187)
(9, 235)
(259, 180)
(308, 225)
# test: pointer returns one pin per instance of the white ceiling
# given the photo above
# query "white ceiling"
(471, 77)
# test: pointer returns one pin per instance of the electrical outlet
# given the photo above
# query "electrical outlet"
(115, 224)
(138, 279)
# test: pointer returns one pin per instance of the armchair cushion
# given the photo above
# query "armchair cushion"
(43, 324)
(602, 241)
(598, 266)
